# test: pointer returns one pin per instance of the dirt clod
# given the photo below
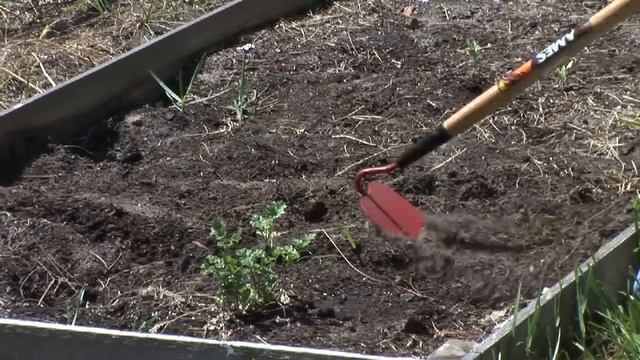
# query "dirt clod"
(478, 189)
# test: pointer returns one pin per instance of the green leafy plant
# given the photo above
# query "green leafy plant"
(243, 101)
(473, 49)
(248, 276)
(564, 71)
(265, 224)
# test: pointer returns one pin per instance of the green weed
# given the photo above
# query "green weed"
(150, 13)
(243, 101)
(613, 329)
(354, 244)
(155, 13)
(618, 334)
(565, 70)
(248, 276)
(184, 97)
(474, 50)
(607, 326)
(265, 224)
(610, 327)
(100, 6)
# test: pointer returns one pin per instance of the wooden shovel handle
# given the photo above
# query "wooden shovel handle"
(518, 80)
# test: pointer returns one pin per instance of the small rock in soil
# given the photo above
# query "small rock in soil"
(453, 349)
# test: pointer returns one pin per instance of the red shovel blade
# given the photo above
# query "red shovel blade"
(392, 213)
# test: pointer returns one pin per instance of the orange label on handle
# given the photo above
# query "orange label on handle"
(524, 70)
(549, 52)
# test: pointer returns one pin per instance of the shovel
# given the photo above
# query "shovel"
(396, 216)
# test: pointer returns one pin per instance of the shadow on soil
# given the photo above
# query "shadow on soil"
(93, 141)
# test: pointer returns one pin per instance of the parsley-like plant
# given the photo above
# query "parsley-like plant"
(248, 276)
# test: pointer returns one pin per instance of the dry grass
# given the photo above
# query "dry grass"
(46, 43)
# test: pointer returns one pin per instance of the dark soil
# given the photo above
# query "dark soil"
(110, 230)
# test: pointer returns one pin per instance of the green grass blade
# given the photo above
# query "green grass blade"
(170, 93)
(516, 308)
(196, 71)
(632, 122)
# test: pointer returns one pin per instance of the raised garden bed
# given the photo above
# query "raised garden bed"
(110, 230)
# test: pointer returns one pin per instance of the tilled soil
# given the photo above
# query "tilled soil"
(110, 230)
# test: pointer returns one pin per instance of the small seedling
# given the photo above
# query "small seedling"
(564, 71)
(100, 6)
(150, 13)
(248, 277)
(353, 242)
(473, 49)
(243, 101)
(147, 324)
(180, 99)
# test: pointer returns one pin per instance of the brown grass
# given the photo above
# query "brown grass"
(46, 43)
